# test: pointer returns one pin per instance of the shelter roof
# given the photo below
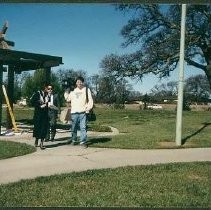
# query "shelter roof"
(25, 61)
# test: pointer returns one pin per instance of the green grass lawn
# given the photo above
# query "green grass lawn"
(144, 129)
(139, 130)
(167, 185)
(153, 129)
(10, 149)
(161, 185)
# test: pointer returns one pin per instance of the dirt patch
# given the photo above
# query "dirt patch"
(170, 144)
(196, 177)
(165, 144)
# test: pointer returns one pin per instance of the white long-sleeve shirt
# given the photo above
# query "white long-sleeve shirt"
(77, 97)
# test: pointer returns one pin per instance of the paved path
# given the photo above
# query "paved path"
(62, 158)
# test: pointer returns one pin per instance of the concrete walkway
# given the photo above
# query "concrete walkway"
(59, 157)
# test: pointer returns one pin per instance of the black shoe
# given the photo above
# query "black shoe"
(36, 143)
(52, 139)
(41, 145)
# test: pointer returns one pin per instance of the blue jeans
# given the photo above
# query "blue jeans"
(79, 118)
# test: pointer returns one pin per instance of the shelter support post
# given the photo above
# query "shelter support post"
(1, 94)
(10, 93)
(48, 74)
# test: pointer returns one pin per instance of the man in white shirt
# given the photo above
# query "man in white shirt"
(79, 108)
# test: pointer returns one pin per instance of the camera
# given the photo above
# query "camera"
(68, 84)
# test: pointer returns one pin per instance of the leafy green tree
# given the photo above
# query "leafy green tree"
(36, 81)
(17, 88)
(28, 86)
(33, 83)
(155, 30)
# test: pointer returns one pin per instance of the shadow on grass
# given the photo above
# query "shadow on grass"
(26, 121)
(30, 122)
(63, 126)
(56, 145)
(98, 140)
(61, 139)
(58, 142)
(195, 133)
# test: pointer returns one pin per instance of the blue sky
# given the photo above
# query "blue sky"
(80, 33)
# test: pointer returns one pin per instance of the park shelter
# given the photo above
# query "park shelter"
(15, 62)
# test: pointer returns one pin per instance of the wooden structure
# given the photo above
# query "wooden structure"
(16, 62)
(5, 44)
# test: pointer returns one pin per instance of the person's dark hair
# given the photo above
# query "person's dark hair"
(80, 78)
(47, 84)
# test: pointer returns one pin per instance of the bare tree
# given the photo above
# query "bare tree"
(155, 30)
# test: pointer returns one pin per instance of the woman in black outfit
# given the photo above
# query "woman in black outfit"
(40, 101)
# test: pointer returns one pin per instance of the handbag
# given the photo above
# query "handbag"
(91, 116)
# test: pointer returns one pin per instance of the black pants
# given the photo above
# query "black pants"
(52, 125)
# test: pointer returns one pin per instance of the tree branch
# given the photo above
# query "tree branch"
(193, 63)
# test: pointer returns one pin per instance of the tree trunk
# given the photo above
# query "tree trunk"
(208, 74)
(207, 55)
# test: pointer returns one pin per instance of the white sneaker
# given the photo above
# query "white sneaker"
(83, 144)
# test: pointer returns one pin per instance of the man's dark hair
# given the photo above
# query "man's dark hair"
(80, 78)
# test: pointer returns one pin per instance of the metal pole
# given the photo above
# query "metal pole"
(181, 79)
